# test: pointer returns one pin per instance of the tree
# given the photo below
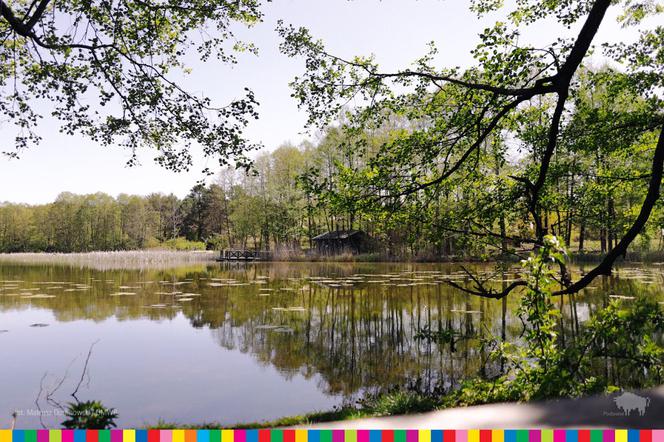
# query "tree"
(166, 215)
(89, 415)
(124, 54)
(193, 209)
(458, 112)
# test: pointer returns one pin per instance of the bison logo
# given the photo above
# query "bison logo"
(628, 402)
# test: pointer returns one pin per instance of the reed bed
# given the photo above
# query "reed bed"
(135, 259)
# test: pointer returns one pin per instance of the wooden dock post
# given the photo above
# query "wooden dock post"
(244, 255)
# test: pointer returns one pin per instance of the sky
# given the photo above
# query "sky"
(395, 31)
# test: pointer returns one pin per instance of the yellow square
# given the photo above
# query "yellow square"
(178, 436)
(227, 436)
(128, 435)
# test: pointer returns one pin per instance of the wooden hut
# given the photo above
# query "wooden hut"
(343, 241)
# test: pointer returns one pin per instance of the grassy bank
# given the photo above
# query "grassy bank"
(636, 256)
(391, 404)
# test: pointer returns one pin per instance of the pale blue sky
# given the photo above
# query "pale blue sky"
(396, 31)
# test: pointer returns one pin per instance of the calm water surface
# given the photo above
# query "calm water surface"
(232, 343)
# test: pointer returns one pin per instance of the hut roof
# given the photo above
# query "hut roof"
(337, 235)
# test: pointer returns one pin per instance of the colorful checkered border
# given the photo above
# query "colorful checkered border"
(279, 435)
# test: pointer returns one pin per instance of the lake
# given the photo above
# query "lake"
(241, 342)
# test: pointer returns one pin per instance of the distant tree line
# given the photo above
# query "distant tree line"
(264, 209)
(275, 206)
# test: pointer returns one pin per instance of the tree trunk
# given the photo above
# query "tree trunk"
(570, 212)
(611, 218)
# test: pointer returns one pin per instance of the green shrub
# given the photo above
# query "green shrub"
(183, 244)
(643, 242)
(152, 243)
(398, 402)
(217, 242)
(89, 415)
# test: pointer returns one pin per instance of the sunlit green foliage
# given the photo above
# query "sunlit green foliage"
(89, 415)
(112, 71)
(525, 142)
(542, 367)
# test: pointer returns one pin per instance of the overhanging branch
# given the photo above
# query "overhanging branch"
(605, 267)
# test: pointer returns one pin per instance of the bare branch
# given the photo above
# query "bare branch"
(85, 370)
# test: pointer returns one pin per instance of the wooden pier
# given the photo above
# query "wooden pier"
(244, 255)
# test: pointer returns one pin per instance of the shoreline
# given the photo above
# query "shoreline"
(147, 256)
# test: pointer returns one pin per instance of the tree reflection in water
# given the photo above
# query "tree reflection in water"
(355, 326)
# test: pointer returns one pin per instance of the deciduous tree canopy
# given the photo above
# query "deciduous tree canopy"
(110, 70)
(459, 118)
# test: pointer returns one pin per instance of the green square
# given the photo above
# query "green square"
(30, 436)
(276, 436)
(215, 435)
(522, 436)
(326, 436)
(399, 435)
(104, 435)
(596, 435)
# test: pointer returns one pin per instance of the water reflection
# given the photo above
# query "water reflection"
(289, 338)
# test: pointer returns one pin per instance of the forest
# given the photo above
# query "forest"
(342, 181)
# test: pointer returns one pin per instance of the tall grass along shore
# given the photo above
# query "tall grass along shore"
(114, 260)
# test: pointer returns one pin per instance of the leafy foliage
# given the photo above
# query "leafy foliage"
(462, 126)
(89, 415)
(110, 71)
(542, 368)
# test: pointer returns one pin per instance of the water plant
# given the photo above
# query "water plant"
(89, 415)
